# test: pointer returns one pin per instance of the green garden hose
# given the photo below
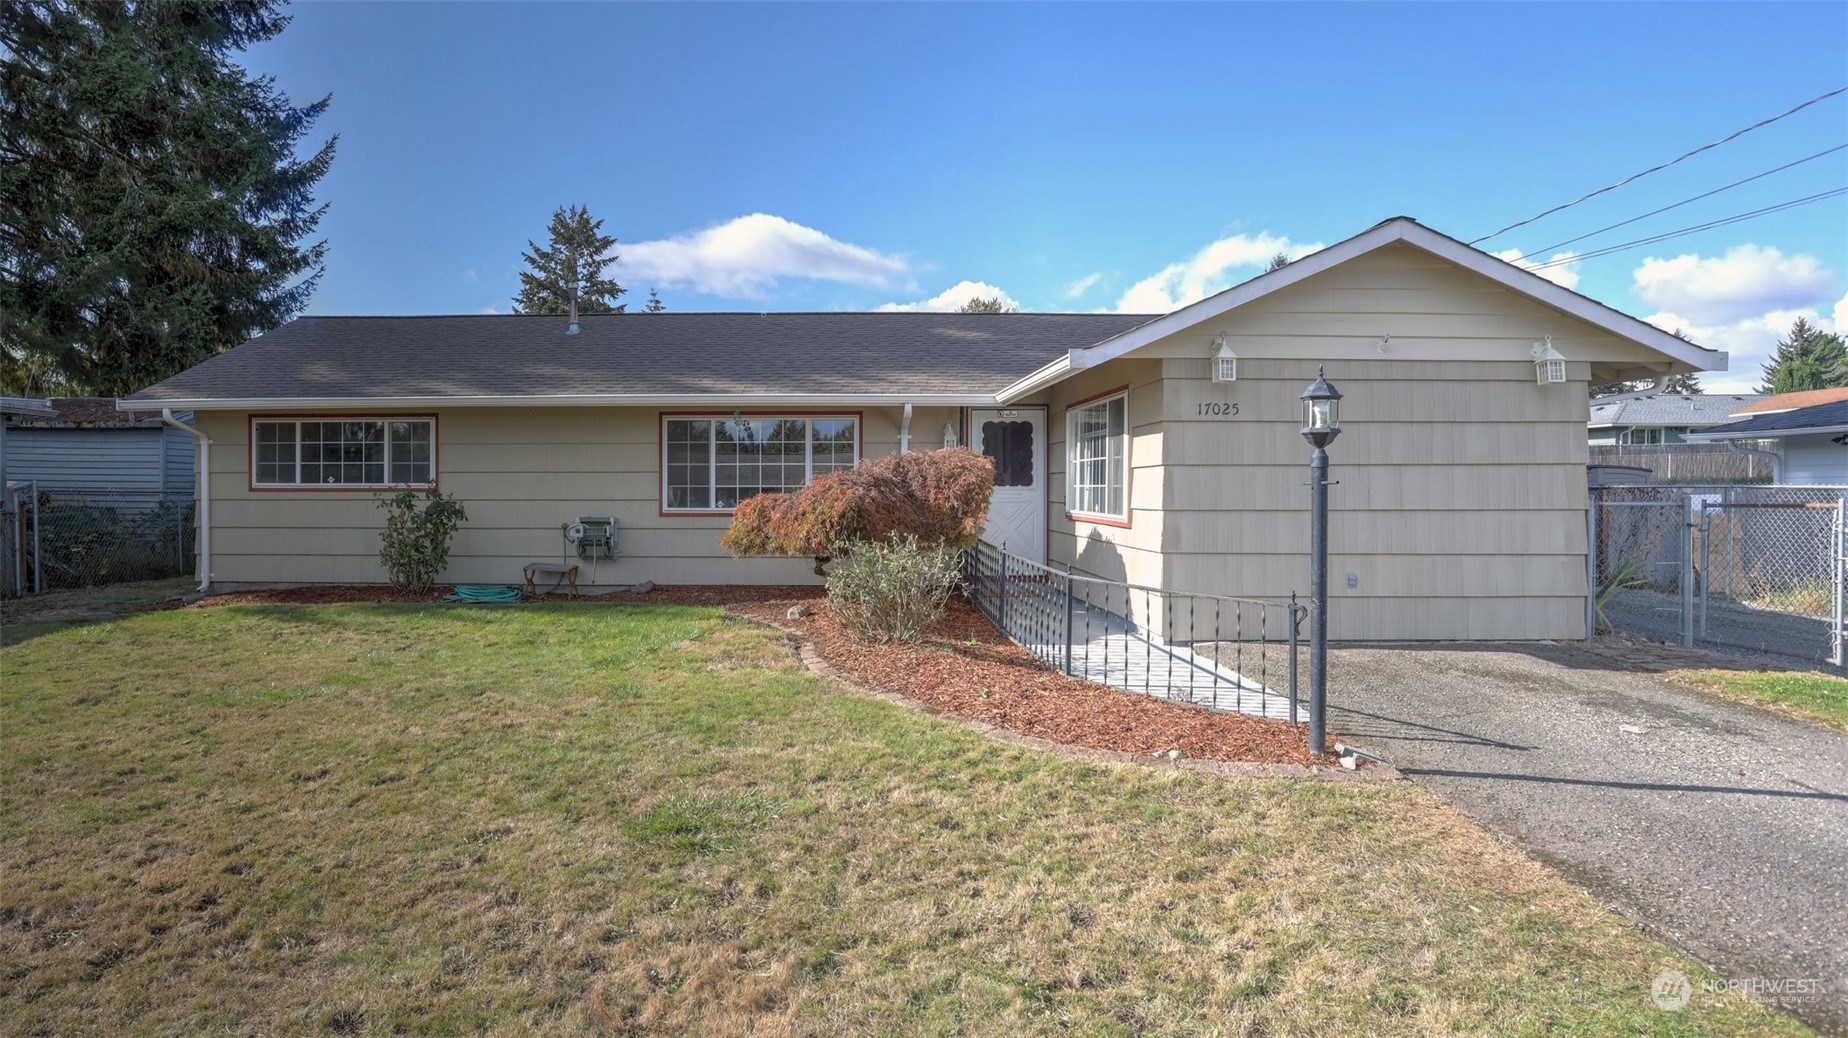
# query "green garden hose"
(483, 593)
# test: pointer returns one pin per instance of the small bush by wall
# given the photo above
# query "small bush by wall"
(887, 591)
(416, 540)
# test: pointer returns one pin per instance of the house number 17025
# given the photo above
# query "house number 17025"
(1218, 410)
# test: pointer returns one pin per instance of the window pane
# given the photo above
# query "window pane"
(1098, 457)
(1010, 446)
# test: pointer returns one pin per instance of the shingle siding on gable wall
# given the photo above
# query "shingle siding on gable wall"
(1461, 483)
(520, 473)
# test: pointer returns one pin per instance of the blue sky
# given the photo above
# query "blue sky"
(1070, 156)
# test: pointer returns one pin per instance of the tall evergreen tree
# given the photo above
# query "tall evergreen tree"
(152, 206)
(575, 255)
(1688, 383)
(1807, 358)
(655, 305)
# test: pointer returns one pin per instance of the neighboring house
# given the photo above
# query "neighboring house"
(1813, 440)
(1792, 401)
(1459, 511)
(1651, 416)
(87, 446)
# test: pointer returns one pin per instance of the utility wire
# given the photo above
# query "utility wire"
(1654, 169)
(1685, 201)
(1640, 242)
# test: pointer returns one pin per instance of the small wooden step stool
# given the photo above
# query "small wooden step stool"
(567, 570)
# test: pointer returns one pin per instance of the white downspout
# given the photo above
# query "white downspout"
(205, 495)
(904, 431)
(1777, 460)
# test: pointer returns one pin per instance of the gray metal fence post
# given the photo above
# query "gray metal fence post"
(1687, 571)
(1294, 615)
(1068, 619)
(1841, 577)
(1001, 603)
(1591, 565)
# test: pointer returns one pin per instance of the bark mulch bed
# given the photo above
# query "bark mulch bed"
(969, 670)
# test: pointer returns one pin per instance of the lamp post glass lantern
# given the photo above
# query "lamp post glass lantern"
(1321, 424)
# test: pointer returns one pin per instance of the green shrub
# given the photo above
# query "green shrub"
(887, 591)
(416, 541)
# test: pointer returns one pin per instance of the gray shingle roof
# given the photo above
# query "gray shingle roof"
(640, 354)
(1694, 410)
(1822, 417)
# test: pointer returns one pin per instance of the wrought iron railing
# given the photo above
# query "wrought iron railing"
(1212, 651)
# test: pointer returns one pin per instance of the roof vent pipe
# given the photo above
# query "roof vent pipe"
(573, 329)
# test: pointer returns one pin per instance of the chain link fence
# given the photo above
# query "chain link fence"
(1747, 567)
(53, 538)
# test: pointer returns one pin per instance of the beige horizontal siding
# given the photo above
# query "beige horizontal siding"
(1101, 549)
(521, 473)
(1459, 495)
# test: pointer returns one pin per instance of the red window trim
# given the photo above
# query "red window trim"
(250, 453)
(662, 418)
(1120, 522)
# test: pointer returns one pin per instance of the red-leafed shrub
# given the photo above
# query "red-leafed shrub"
(937, 497)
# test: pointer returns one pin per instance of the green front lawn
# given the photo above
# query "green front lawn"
(591, 819)
(1815, 697)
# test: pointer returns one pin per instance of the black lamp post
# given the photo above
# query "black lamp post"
(1321, 424)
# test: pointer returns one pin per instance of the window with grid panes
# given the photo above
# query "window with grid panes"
(711, 464)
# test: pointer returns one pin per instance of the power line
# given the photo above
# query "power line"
(1722, 222)
(1685, 201)
(1655, 169)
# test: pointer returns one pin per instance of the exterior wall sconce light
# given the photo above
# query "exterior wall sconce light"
(1549, 363)
(1225, 362)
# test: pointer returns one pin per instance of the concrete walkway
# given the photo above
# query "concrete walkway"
(1720, 828)
(1249, 678)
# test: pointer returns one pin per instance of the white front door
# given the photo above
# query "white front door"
(1015, 437)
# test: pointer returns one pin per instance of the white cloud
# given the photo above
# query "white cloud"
(1749, 281)
(748, 256)
(950, 298)
(1748, 341)
(469, 276)
(1082, 285)
(489, 310)
(1208, 271)
(1742, 302)
(1565, 275)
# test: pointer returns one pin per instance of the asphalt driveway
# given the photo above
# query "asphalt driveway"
(1720, 828)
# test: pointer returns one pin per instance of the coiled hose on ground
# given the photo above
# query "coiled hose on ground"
(484, 593)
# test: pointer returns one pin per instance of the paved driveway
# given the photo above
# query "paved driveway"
(1720, 828)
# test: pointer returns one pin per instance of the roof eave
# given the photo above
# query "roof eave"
(1047, 375)
(1696, 358)
(563, 400)
(1764, 434)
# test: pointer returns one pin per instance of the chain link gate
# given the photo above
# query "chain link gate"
(1760, 568)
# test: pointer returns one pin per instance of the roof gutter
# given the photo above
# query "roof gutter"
(1047, 375)
(689, 400)
(205, 494)
(1777, 460)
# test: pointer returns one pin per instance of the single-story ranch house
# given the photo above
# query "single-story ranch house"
(1159, 449)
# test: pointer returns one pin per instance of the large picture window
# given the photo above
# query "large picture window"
(711, 464)
(1097, 445)
(346, 452)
